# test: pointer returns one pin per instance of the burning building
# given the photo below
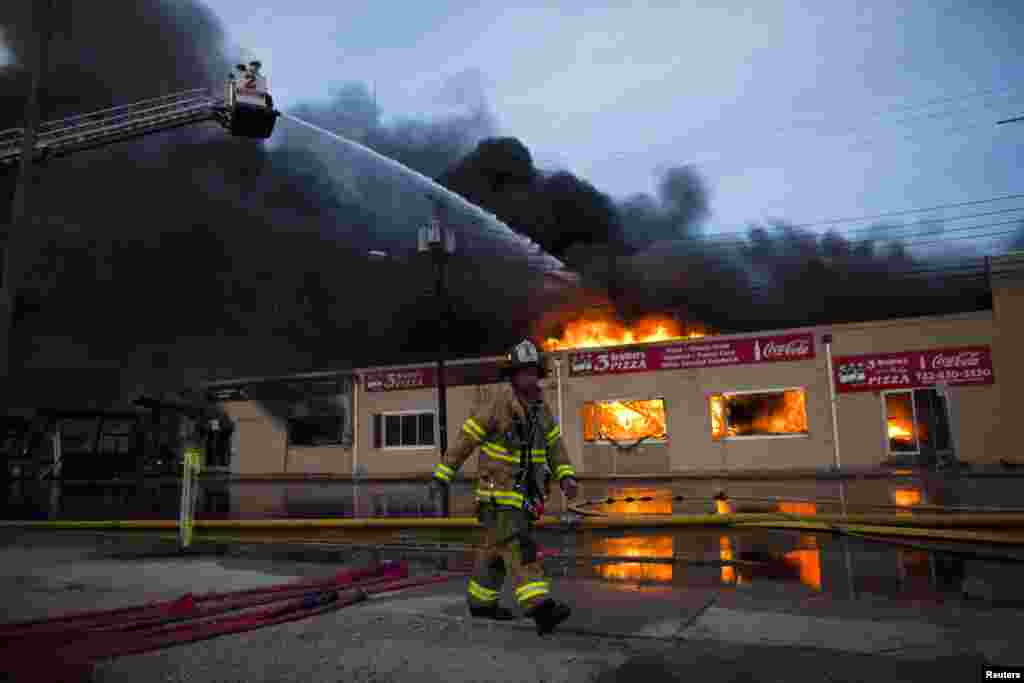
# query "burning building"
(661, 396)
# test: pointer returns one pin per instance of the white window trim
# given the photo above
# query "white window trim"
(399, 413)
(757, 437)
(885, 422)
(606, 442)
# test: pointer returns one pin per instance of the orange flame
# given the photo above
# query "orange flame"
(788, 418)
(624, 420)
(899, 430)
(596, 330)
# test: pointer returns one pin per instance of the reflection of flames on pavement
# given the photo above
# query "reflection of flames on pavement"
(635, 546)
(899, 430)
(906, 497)
(799, 508)
(788, 416)
(804, 562)
(624, 420)
(597, 329)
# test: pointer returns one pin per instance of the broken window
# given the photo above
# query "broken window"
(316, 431)
(614, 421)
(917, 422)
(776, 412)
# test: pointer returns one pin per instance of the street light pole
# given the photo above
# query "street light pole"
(439, 242)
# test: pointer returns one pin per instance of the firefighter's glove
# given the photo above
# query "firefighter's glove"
(570, 487)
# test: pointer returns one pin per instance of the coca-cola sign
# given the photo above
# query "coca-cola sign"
(694, 354)
(796, 348)
(963, 359)
(909, 369)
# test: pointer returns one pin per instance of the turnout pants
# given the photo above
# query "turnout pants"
(508, 549)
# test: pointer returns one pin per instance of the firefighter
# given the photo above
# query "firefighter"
(517, 436)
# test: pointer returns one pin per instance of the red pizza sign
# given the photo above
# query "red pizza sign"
(700, 354)
(415, 378)
(875, 372)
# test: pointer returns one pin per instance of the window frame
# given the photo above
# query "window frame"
(606, 442)
(885, 423)
(755, 437)
(399, 413)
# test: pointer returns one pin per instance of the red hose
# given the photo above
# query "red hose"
(66, 655)
(61, 632)
(187, 602)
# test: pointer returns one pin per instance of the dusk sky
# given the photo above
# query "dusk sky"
(794, 109)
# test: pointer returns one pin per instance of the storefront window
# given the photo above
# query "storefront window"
(624, 420)
(776, 412)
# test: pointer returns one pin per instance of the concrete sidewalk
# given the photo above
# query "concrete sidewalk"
(615, 633)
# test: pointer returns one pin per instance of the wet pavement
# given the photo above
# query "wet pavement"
(233, 499)
(641, 596)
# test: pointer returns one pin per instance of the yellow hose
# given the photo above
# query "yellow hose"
(961, 535)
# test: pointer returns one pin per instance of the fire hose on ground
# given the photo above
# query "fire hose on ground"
(63, 648)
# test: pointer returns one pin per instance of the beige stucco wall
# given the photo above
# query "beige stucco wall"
(689, 447)
(1008, 358)
(263, 446)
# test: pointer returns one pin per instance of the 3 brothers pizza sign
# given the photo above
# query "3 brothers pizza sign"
(877, 372)
(703, 354)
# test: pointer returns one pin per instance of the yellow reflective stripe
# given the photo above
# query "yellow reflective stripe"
(470, 433)
(443, 472)
(484, 495)
(496, 446)
(480, 593)
(539, 459)
(538, 451)
(563, 471)
(531, 590)
(508, 497)
(473, 428)
(499, 456)
(554, 434)
(441, 467)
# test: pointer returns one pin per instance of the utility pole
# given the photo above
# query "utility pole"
(21, 218)
(439, 242)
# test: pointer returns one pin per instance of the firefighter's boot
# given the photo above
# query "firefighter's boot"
(493, 612)
(548, 615)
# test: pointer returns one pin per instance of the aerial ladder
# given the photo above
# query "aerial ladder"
(243, 111)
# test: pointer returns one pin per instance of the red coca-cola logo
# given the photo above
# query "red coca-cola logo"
(796, 347)
(964, 359)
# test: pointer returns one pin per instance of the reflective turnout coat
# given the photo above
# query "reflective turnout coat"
(508, 545)
(493, 429)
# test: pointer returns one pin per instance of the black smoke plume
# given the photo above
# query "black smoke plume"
(189, 254)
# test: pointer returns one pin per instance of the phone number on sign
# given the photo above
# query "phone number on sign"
(954, 375)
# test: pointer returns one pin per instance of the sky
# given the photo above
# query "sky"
(791, 109)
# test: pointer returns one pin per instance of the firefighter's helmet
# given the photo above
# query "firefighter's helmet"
(523, 355)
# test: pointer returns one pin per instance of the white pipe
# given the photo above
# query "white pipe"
(558, 381)
(834, 401)
(355, 423)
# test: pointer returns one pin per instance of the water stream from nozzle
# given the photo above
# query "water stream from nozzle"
(430, 186)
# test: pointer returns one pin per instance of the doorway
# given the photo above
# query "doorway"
(917, 428)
